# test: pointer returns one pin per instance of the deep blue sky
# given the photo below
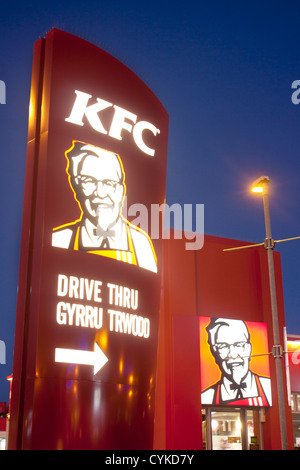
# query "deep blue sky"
(223, 70)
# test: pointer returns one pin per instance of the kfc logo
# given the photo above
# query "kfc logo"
(121, 120)
(97, 178)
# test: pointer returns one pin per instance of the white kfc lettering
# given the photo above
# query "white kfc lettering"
(119, 123)
(138, 136)
(121, 120)
(80, 109)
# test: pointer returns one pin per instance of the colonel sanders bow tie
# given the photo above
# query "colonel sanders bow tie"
(239, 388)
(99, 232)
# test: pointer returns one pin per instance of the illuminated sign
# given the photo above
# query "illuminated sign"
(90, 278)
(234, 362)
(94, 358)
(293, 360)
(294, 351)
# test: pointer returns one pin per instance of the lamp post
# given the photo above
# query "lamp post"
(261, 185)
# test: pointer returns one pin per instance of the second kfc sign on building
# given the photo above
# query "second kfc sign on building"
(97, 144)
(234, 362)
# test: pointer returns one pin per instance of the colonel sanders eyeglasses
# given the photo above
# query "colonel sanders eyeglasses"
(90, 184)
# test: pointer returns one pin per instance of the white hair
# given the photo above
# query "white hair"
(81, 150)
(216, 323)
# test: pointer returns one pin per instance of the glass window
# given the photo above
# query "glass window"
(295, 402)
(296, 429)
(230, 429)
(293, 405)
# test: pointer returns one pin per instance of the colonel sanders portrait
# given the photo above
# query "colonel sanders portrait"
(230, 345)
(97, 179)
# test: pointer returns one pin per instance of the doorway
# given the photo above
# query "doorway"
(231, 428)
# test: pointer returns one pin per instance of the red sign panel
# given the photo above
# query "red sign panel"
(97, 149)
(234, 362)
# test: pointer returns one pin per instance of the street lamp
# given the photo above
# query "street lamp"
(261, 185)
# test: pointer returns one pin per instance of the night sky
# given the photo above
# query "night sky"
(223, 70)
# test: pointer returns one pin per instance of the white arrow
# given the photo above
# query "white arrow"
(94, 358)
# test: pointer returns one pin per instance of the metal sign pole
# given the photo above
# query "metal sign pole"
(277, 348)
